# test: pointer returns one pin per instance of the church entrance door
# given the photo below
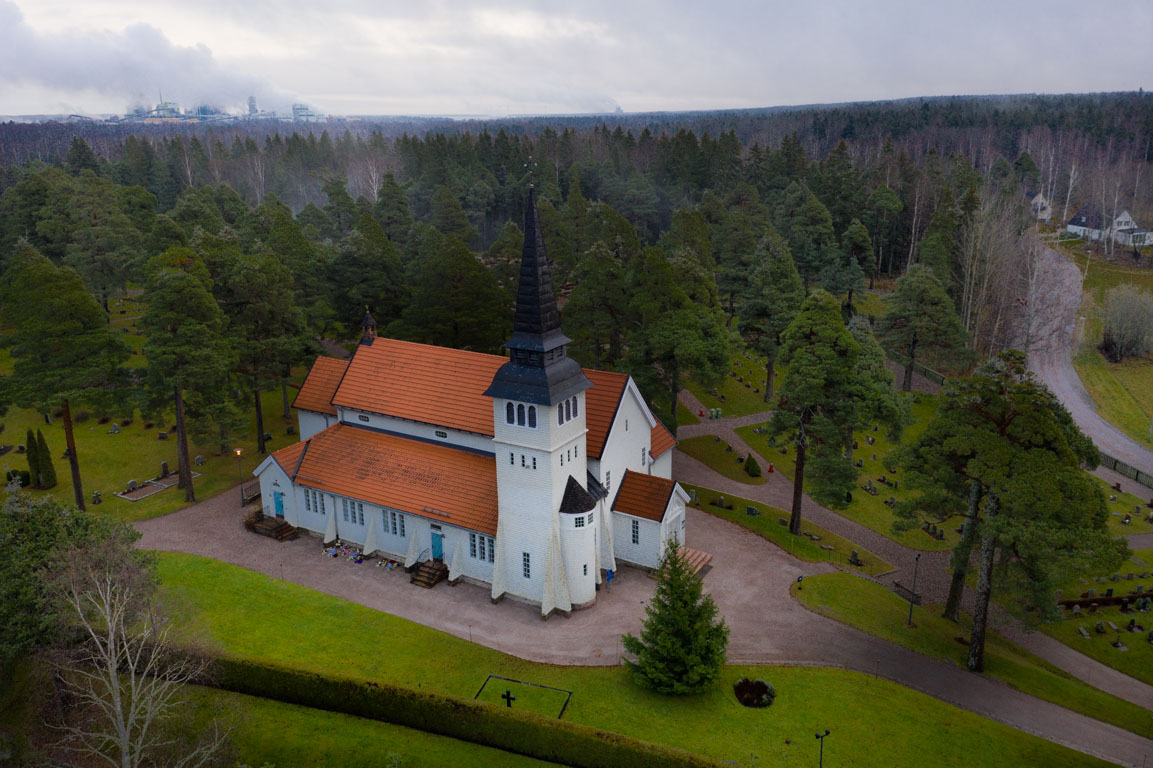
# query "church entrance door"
(278, 500)
(437, 545)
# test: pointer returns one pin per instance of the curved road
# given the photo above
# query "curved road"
(1051, 357)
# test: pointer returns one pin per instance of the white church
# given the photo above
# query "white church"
(524, 473)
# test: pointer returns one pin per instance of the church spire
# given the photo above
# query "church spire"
(538, 370)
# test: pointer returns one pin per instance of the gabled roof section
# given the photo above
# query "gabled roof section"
(288, 458)
(601, 404)
(1087, 216)
(320, 385)
(432, 385)
(661, 440)
(645, 496)
(438, 482)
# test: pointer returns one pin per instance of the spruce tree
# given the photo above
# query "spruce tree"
(682, 646)
(47, 470)
(33, 456)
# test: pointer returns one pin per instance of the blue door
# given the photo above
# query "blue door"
(278, 500)
(437, 546)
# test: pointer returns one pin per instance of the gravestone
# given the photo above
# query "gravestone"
(115, 429)
(751, 511)
(161, 435)
(1077, 609)
(132, 485)
(164, 469)
(96, 498)
(199, 461)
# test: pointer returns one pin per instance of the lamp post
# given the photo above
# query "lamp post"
(821, 738)
(913, 594)
(240, 476)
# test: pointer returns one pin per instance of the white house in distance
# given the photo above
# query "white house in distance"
(1089, 223)
(526, 473)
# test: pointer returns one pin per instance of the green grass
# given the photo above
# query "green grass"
(290, 736)
(108, 462)
(685, 416)
(733, 397)
(1125, 505)
(1123, 392)
(871, 303)
(868, 510)
(874, 609)
(767, 525)
(542, 701)
(876, 723)
(719, 456)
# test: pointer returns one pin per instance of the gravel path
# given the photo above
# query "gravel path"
(768, 626)
(1051, 358)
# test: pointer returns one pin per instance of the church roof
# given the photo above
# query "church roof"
(643, 495)
(536, 324)
(320, 385)
(601, 403)
(439, 482)
(661, 440)
(576, 500)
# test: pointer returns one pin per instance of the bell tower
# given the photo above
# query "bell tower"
(539, 442)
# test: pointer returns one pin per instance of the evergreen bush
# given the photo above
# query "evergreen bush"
(20, 476)
(752, 467)
(682, 646)
(33, 456)
(47, 468)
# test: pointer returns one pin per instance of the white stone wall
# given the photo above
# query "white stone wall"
(673, 526)
(663, 465)
(311, 422)
(578, 545)
(647, 552)
(429, 432)
(630, 433)
(274, 480)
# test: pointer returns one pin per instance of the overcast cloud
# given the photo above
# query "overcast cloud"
(500, 57)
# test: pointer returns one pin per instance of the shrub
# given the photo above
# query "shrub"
(47, 468)
(754, 693)
(81, 416)
(752, 467)
(1128, 323)
(21, 476)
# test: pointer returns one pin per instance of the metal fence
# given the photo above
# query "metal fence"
(1121, 468)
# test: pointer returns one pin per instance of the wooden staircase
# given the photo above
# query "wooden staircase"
(695, 559)
(429, 573)
(275, 528)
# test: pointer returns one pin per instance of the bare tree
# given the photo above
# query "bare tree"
(122, 672)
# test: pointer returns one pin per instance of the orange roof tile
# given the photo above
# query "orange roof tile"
(644, 496)
(320, 385)
(289, 457)
(660, 440)
(601, 404)
(439, 482)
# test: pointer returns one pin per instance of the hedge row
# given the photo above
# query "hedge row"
(515, 731)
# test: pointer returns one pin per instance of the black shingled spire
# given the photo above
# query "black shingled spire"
(538, 370)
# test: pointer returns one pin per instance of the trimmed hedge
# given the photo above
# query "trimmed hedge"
(514, 731)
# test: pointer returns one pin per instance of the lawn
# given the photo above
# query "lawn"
(1122, 391)
(720, 457)
(684, 415)
(875, 723)
(872, 303)
(1137, 661)
(867, 509)
(872, 608)
(767, 525)
(1127, 503)
(743, 390)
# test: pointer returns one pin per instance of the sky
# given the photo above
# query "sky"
(518, 57)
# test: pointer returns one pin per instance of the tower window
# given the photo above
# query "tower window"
(643, 452)
(608, 480)
(559, 414)
(512, 459)
(586, 569)
(526, 565)
(578, 522)
(362, 417)
(522, 461)
(636, 532)
(574, 406)
(534, 462)
(567, 410)
(509, 412)
(532, 416)
(520, 415)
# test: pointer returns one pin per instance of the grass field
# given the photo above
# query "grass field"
(719, 456)
(767, 525)
(872, 608)
(685, 416)
(865, 508)
(733, 397)
(875, 723)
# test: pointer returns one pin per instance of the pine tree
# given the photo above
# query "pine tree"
(682, 646)
(773, 301)
(47, 469)
(33, 455)
(921, 319)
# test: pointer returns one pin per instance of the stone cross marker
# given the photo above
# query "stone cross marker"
(508, 698)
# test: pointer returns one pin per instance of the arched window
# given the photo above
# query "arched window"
(574, 407)
(532, 416)
(559, 414)
(520, 415)
(508, 413)
(567, 410)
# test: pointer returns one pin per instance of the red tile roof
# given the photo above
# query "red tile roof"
(643, 495)
(660, 440)
(435, 481)
(601, 403)
(320, 385)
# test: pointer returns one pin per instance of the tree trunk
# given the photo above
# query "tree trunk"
(798, 483)
(182, 448)
(907, 384)
(959, 561)
(259, 417)
(674, 390)
(770, 363)
(73, 459)
(976, 660)
(284, 396)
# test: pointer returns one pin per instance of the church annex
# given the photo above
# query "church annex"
(526, 473)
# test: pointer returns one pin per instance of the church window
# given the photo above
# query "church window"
(508, 413)
(441, 434)
(512, 458)
(526, 565)
(590, 518)
(401, 516)
(626, 425)
(318, 502)
(360, 512)
(586, 568)
(559, 414)
(522, 462)
(567, 410)
(636, 532)
(362, 417)
(576, 450)
(344, 509)
(307, 501)
(520, 415)
(608, 480)
(532, 416)
(472, 545)
(579, 522)
(643, 452)
(491, 551)
(534, 462)
(562, 459)
(481, 547)
(574, 406)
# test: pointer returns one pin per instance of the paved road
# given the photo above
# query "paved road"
(1051, 357)
(768, 626)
